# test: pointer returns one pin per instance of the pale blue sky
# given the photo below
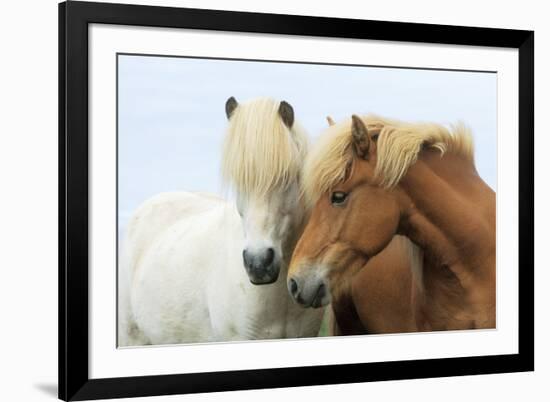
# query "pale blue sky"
(172, 118)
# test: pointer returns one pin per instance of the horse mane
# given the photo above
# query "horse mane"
(398, 146)
(260, 152)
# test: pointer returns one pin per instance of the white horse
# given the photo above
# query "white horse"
(192, 263)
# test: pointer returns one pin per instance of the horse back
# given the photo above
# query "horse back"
(159, 213)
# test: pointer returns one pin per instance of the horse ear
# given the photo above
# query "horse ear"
(360, 136)
(287, 113)
(230, 106)
(330, 121)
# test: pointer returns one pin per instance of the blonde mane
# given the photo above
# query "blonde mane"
(398, 146)
(260, 152)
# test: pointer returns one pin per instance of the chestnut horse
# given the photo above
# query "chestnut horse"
(373, 178)
(372, 301)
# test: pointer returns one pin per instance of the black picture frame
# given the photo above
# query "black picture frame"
(74, 18)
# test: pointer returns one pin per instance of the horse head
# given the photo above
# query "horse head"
(263, 154)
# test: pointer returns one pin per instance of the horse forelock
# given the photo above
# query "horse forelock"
(398, 146)
(260, 152)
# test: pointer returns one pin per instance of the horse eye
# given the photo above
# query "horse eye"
(338, 197)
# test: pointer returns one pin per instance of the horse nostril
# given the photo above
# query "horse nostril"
(293, 287)
(269, 255)
(321, 291)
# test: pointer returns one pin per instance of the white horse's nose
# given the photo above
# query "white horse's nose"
(258, 260)
(260, 266)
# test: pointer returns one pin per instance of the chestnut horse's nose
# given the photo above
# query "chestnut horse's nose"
(312, 293)
(260, 266)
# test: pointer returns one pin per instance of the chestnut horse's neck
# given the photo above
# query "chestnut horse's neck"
(450, 213)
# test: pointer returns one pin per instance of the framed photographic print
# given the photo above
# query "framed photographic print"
(259, 200)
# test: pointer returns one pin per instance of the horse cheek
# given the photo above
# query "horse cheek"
(376, 228)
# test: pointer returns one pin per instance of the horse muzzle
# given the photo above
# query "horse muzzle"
(262, 267)
(311, 291)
